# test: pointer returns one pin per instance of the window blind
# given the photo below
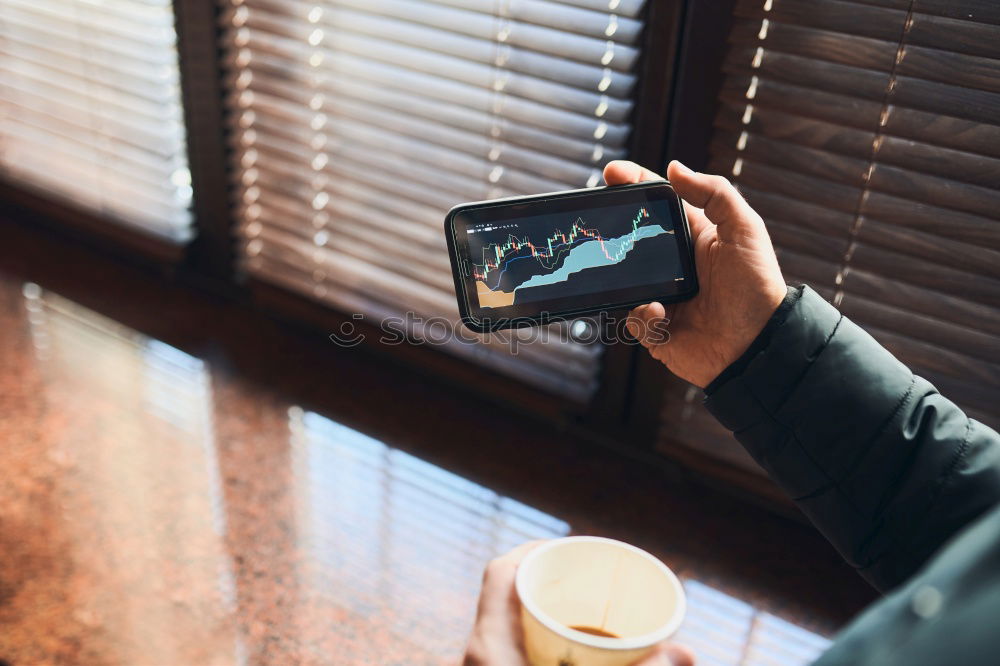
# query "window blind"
(91, 108)
(358, 123)
(867, 134)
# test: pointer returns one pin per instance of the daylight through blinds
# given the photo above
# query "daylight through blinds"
(358, 123)
(867, 134)
(90, 108)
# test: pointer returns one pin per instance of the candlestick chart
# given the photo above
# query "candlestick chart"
(537, 259)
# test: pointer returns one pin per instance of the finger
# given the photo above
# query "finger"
(635, 322)
(722, 204)
(517, 554)
(652, 323)
(500, 571)
(668, 655)
(623, 172)
(498, 595)
(696, 220)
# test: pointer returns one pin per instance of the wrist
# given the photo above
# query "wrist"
(778, 313)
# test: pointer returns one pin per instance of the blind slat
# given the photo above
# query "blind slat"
(943, 279)
(579, 75)
(924, 217)
(936, 191)
(944, 334)
(366, 230)
(339, 246)
(791, 184)
(424, 141)
(808, 132)
(558, 42)
(952, 68)
(805, 215)
(63, 121)
(942, 130)
(481, 122)
(154, 29)
(150, 97)
(86, 185)
(815, 43)
(534, 114)
(808, 161)
(950, 100)
(834, 15)
(820, 246)
(386, 209)
(808, 102)
(820, 74)
(600, 24)
(462, 170)
(922, 300)
(939, 161)
(983, 11)
(805, 269)
(630, 8)
(464, 70)
(934, 248)
(63, 39)
(955, 35)
(922, 357)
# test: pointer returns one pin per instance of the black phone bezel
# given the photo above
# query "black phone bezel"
(483, 325)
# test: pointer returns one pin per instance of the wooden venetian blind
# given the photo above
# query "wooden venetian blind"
(867, 134)
(358, 123)
(90, 108)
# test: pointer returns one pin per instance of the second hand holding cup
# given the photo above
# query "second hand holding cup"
(591, 601)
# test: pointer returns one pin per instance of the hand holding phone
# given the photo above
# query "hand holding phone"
(536, 259)
(740, 281)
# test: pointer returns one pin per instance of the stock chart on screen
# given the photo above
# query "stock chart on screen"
(553, 256)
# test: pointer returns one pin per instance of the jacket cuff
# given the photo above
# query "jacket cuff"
(761, 342)
(792, 338)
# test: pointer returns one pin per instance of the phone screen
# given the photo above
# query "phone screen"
(570, 253)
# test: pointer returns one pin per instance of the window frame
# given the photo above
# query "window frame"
(624, 411)
(22, 204)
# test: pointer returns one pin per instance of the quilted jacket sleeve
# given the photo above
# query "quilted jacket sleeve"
(884, 465)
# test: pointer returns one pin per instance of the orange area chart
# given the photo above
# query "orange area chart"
(492, 299)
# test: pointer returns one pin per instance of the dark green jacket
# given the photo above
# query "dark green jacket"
(895, 475)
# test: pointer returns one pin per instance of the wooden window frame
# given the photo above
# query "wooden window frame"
(623, 412)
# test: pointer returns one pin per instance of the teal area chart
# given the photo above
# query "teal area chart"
(554, 256)
(594, 255)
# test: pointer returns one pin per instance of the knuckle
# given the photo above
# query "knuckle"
(723, 185)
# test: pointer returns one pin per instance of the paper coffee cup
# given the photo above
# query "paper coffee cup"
(600, 584)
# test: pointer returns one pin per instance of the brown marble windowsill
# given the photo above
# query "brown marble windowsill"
(188, 481)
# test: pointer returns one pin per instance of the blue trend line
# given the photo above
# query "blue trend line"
(507, 262)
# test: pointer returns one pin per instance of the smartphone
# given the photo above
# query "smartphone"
(533, 260)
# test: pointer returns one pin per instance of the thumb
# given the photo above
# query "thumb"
(723, 205)
(648, 324)
(668, 655)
